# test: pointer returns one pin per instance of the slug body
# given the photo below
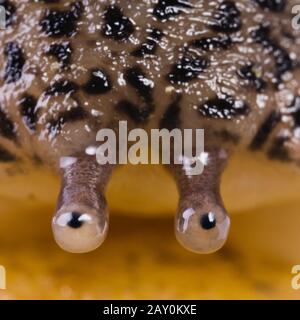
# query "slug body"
(71, 68)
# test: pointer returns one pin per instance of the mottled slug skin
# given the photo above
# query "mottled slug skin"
(70, 68)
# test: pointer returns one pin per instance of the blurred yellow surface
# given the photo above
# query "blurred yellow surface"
(141, 258)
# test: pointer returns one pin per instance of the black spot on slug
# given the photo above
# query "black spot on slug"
(294, 111)
(226, 18)
(211, 43)
(171, 118)
(248, 72)
(6, 156)
(273, 5)
(62, 52)
(28, 111)
(150, 45)
(14, 63)
(98, 83)
(116, 25)
(281, 57)
(58, 23)
(187, 69)
(138, 80)
(76, 114)
(138, 114)
(61, 87)
(7, 128)
(225, 108)
(265, 130)
(10, 12)
(166, 9)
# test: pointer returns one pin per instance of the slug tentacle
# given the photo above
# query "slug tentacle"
(201, 223)
(80, 223)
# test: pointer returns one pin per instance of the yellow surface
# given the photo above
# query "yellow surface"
(141, 258)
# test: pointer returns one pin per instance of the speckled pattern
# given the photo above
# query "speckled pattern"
(231, 63)
(69, 68)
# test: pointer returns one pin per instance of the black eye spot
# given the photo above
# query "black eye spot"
(98, 83)
(226, 18)
(28, 112)
(10, 11)
(62, 52)
(166, 9)
(225, 108)
(273, 5)
(14, 63)
(116, 25)
(74, 222)
(208, 221)
(187, 69)
(57, 23)
(61, 87)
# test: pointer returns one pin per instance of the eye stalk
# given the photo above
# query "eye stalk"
(202, 224)
(81, 221)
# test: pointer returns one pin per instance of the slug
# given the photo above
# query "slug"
(71, 68)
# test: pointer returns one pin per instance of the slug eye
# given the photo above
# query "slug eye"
(73, 219)
(79, 231)
(202, 232)
(208, 221)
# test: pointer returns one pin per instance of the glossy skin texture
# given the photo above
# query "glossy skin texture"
(70, 68)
